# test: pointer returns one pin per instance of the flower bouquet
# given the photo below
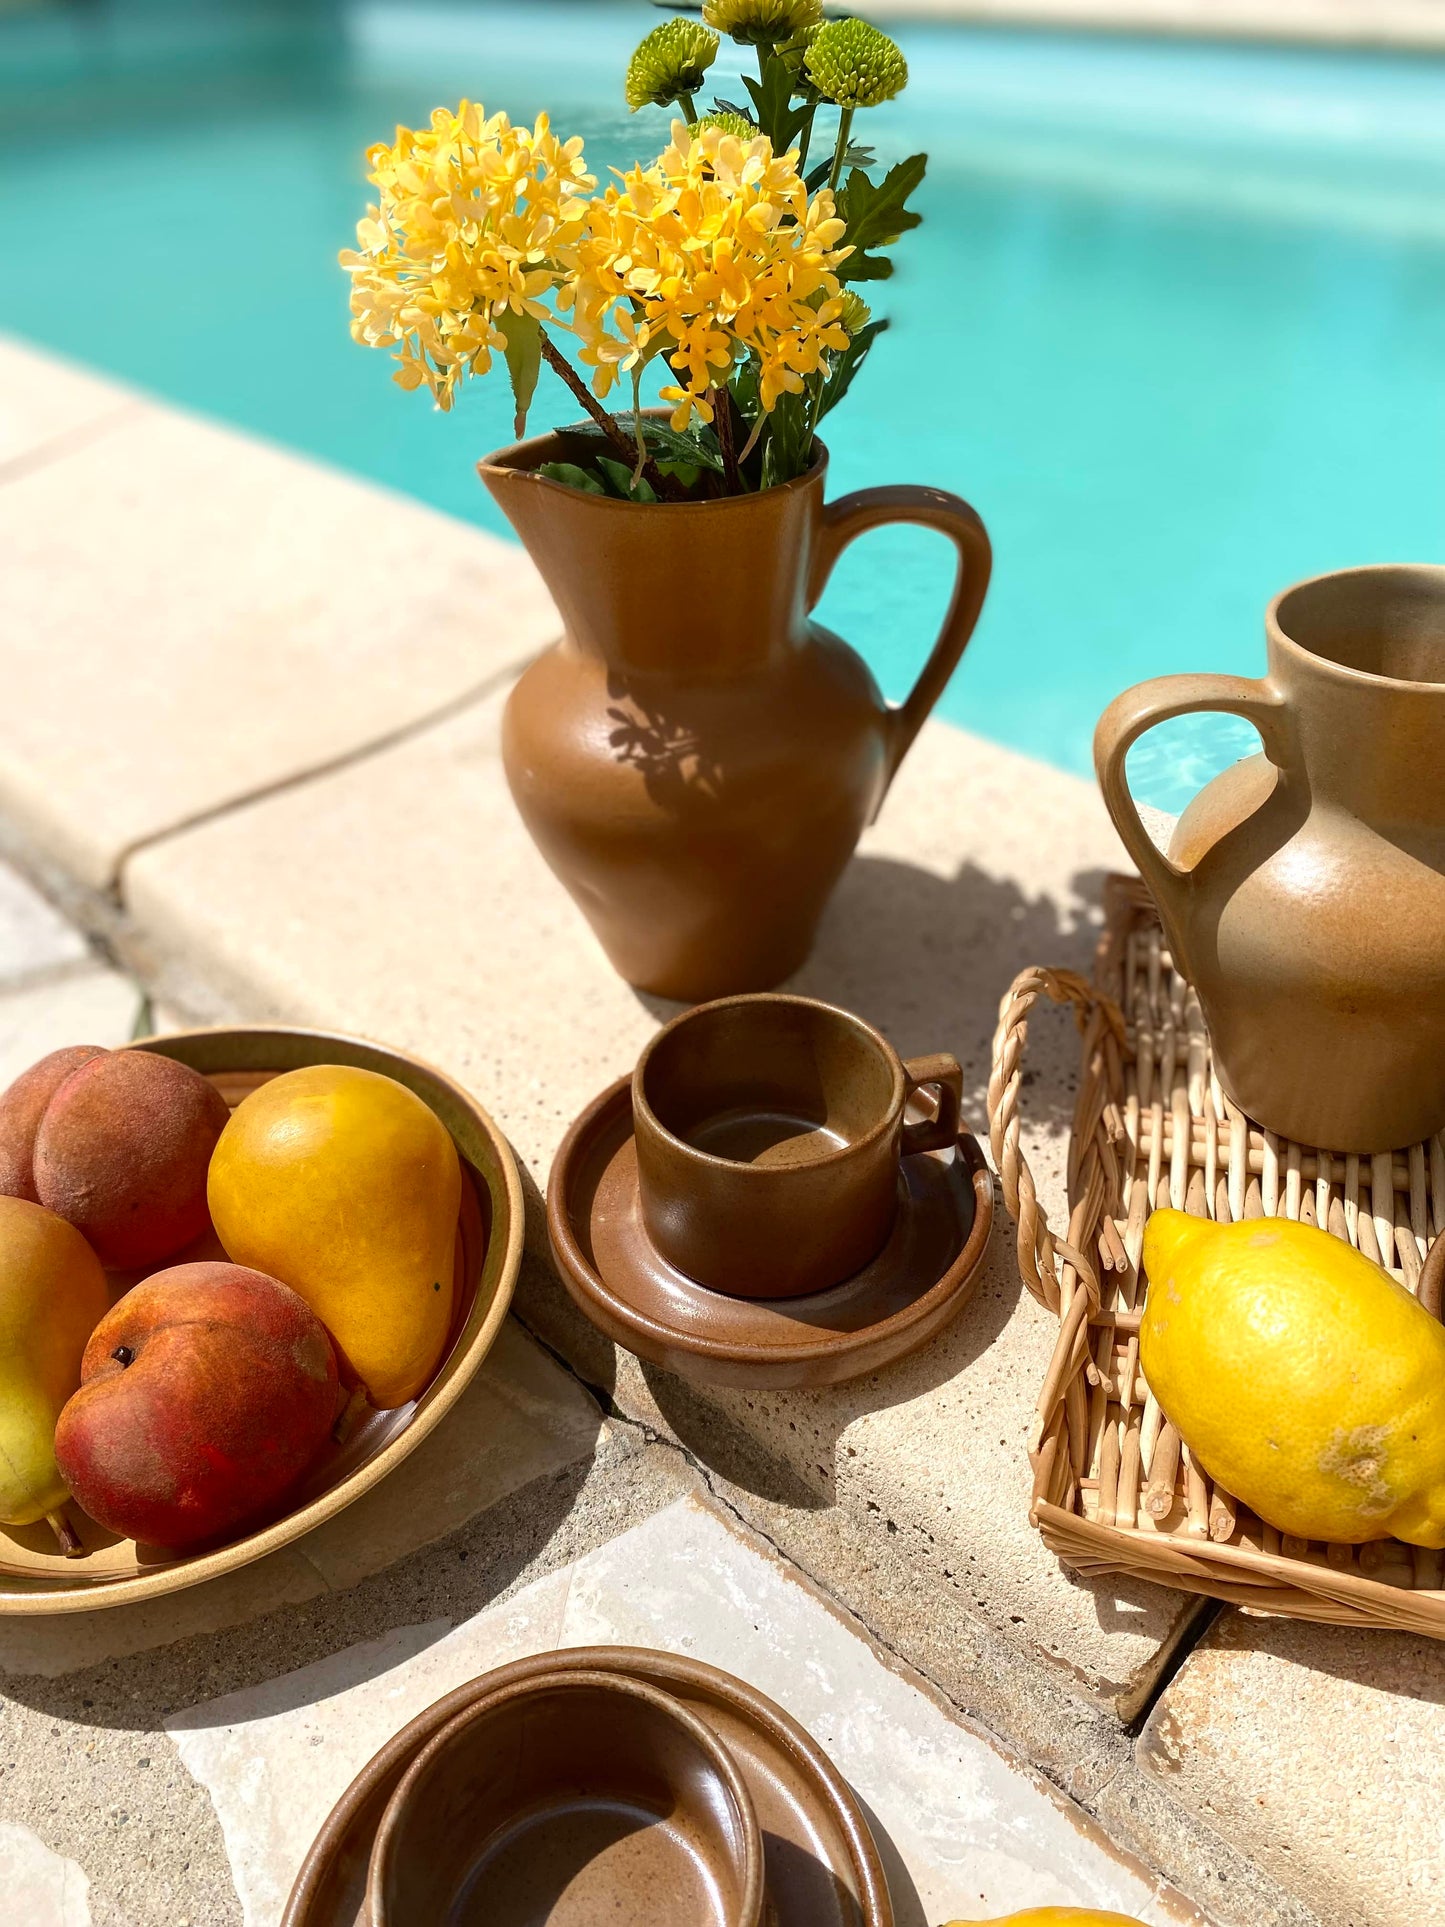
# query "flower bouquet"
(695, 758)
(726, 263)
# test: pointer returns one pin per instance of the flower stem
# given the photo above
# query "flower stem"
(687, 102)
(806, 139)
(664, 486)
(845, 128)
(722, 418)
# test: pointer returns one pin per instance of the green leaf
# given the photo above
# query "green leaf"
(721, 106)
(571, 476)
(854, 156)
(772, 98)
(846, 366)
(619, 475)
(524, 361)
(877, 216)
(697, 448)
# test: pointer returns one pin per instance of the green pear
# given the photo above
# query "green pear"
(52, 1296)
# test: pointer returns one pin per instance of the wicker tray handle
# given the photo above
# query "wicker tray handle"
(1049, 1264)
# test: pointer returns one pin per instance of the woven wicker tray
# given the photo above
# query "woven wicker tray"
(1114, 1489)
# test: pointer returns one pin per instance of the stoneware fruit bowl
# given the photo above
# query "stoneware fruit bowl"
(36, 1578)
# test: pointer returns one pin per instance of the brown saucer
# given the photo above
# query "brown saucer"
(922, 1278)
(821, 1866)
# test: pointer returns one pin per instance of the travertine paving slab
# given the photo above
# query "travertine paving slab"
(1319, 1752)
(229, 616)
(402, 897)
(49, 407)
(972, 1834)
(34, 938)
(38, 1887)
(521, 1419)
(92, 1005)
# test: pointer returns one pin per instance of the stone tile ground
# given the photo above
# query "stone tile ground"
(972, 1834)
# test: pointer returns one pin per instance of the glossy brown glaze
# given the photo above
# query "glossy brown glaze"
(1304, 891)
(820, 1865)
(769, 1131)
(922, 1278)
(570, 1799)
(695, 759)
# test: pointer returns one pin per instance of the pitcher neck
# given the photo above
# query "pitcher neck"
(714, 588)
(1367, 745)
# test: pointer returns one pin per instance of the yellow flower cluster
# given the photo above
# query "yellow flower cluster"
(713, 253)
(477, 219)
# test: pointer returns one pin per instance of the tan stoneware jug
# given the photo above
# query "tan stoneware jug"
(1304, 890)
(695, 759)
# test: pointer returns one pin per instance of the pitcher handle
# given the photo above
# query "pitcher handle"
(931, 508)
(1156, 701)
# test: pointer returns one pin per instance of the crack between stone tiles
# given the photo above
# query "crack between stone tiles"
(69, 442)
(906, 1669)
(345, 759)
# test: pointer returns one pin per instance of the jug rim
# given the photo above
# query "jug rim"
(1280, 638)
(523, 458)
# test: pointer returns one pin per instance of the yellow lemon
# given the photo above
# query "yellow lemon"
(1056, 1917)
(345, 1185)
(1300, 1375)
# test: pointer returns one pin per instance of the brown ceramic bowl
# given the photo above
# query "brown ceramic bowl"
(35, 1578)
(571, 1798)
(821, 1866)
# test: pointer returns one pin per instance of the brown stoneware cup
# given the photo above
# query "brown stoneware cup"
(769, 1130)
(564, 1800)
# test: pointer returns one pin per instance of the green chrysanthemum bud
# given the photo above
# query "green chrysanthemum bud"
(854, 64)
(762, 23)
(856, 313)
(795, 52)
(737, 124)
(669, 63)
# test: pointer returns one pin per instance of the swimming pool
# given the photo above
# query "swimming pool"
(1175, 321)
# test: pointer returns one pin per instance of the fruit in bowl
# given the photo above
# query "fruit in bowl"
(52, 1295)
(117, 1143)
(1300, 1375)
(206, 1394)
(347, 1185)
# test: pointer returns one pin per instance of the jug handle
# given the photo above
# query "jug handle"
(930, 508)
(1156, 701)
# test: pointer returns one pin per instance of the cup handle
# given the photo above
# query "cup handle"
(930, 508)
(943, 1073)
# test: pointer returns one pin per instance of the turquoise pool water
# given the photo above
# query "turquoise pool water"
(1175, 321)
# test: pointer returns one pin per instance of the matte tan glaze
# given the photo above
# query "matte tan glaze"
(695, 759)
(769, 1131)
(918, 1283)
(36, 1579)
(820, 1865)
(1306, 901)
(570, 1799)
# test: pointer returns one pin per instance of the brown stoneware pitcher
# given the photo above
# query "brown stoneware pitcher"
(1304, 890)
(695, 759)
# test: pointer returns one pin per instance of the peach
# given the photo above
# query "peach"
(21, 1109)
(205, 1395)
(121, 1152)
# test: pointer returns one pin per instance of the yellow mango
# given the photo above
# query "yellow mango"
(52, 1296)
(345, 1186)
